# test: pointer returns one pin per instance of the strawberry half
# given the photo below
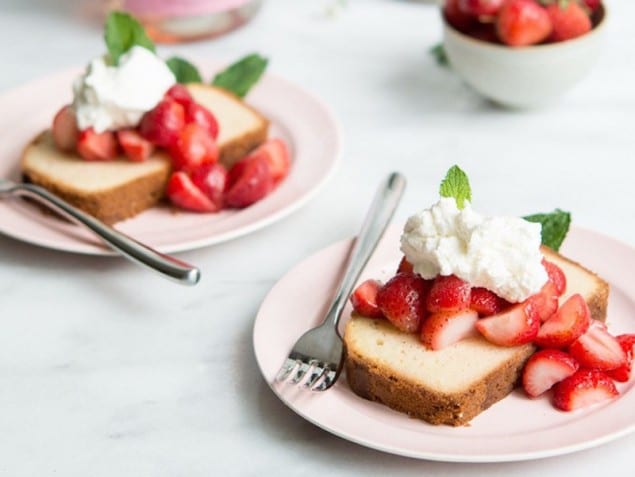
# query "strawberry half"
(566, 325)
(198, 114)
(135, 147)
(193, 148)
(402, 301)
(448, 293)
(545, 302)
(486, 302)
(584, 388)
(364, 299)
(556, 276)
(248, 181)
(522, 23)
(162, 125)
(211, 179)
(623, 373)
(515, 326)
(276, 154)
(444, 328)
(546, 368)
(64, 129)
(598, 349)
(93, 146)
(183, 193)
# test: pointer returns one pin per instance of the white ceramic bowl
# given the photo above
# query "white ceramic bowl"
(523, 77)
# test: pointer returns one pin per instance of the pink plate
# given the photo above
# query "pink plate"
(516, 428)
(295, 116)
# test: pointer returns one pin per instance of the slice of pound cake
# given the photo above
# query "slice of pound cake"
(454, 384)
(119, 189)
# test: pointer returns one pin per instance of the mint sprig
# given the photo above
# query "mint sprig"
(555, 226)
(121, 33)
(456, 185)
(239, 77)
(183, 70)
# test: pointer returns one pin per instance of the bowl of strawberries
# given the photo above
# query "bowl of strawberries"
(523, 53)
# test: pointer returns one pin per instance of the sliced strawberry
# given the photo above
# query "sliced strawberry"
(623, 373)
(193, 148)
(211, 179)
(180, 94)
(458, 19)
(93, 146)
(448, 293)
(515, 326)
(135, 147)
(402, 301)
(275, 152)
(569, 21)
(480, 7)
(545, 302)
(556, 276)
(183, 193)
(486, 302)
(584, 388)
(566, 325)
(162, 125)
(64, 129)
(196, 113)
(546, 368)
(444, 328)
(364, 299)
(405, 266)
(248, 181)
(522, 23)
(598, 349)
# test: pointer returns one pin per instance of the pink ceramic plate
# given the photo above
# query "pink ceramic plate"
(295, 116)
(515, 428)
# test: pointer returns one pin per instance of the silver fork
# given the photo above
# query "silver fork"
(165, 265)
(316, 359)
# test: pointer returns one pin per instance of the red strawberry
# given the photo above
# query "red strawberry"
(522, 23)
(546, 368)
(180, 94)
(444, 328)
(405, 266)
(566, 325)
(248, 181)
(457, 18)
(211, 179)
(196, 113)
(94, 146)
(448, 293)
(597, 349)
(402, 301)
(570, 21)
(593, 5)
(556, 276)
(623, 373)
(183, 193)
(134, 146)
(515, 326)
(162, 125)
(545, 302)
(480, 7)
(64, 129)
(275, 152)
(584, 388)
(193, 148)
(486, 302)
(364, 299)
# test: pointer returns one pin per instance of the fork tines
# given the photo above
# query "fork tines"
(315, 375)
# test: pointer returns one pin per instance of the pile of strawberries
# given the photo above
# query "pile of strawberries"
(188, 132)
(577, 355)
(522, 22)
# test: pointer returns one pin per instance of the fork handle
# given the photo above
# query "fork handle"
(165, 265)
(377, 219)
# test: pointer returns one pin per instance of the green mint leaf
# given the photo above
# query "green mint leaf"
(184, 71)
(239, 77)
(555, 226)
(456, 185)
(439, 54)
(121, 33)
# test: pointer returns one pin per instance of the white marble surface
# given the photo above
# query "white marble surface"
(108, 370)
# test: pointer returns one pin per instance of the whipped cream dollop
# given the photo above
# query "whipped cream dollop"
(501, 254)
(112, 97)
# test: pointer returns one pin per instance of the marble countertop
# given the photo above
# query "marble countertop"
(108, 370)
